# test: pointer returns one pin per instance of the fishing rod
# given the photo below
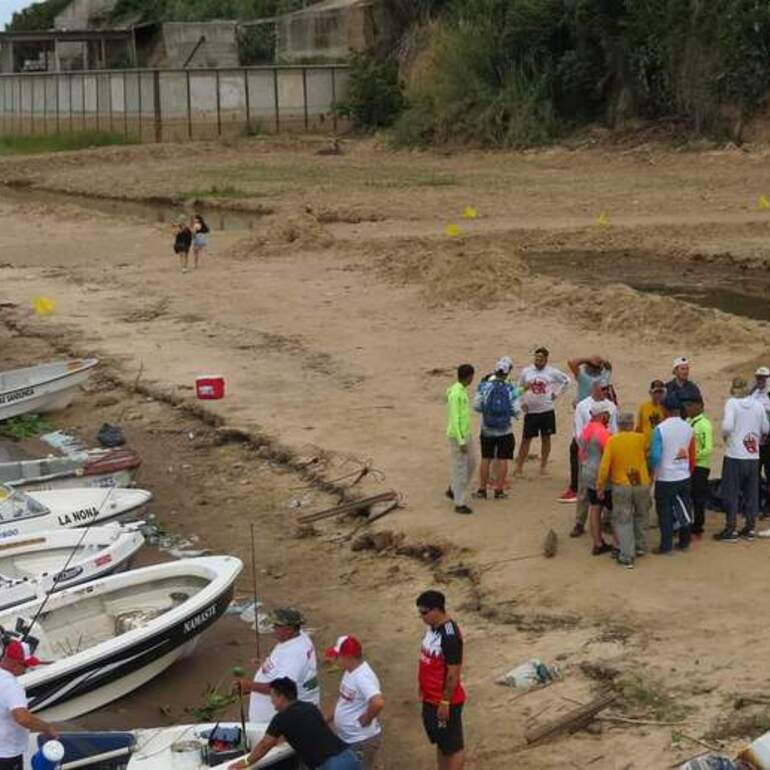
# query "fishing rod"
(254, 586)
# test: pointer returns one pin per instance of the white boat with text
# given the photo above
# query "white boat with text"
(34, 565)
(106, 638)
(22, 513)
(43, 388)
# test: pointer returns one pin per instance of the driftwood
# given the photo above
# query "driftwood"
(352, 505)
(571, 722)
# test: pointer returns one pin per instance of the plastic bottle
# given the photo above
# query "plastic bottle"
(49, 757)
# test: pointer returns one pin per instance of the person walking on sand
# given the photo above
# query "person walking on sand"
(459, 435)
(591, 443)
(497, 400)
(182, 243)
(599, 393)
(542, 385)
(761, 391)
(704, 449)
(651, 413)
(360, 702)
(200, 233)
(681, 385)
(15, 718)
(293, 656)
(587, 372)
(744, 425)
(671, 457)
(440, 681)
(623, 471)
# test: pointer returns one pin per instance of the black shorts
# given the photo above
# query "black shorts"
(498, 447)
(177, 250)
(593, 498)
(449, 738)
(12, 763)
(543, 424)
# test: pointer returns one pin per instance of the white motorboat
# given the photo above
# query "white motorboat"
(48, 562)
(43, 388)
(92, 468)
(108, 637)
(164, 748)
(22, 513)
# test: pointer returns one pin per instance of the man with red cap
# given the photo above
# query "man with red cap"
(15, 718)
(359, 704)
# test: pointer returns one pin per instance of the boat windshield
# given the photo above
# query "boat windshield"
(16, 505)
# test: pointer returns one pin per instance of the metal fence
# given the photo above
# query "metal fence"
(171, 105)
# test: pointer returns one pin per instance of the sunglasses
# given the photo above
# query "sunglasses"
(423, 610)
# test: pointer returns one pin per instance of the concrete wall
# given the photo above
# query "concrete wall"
(80, 14)
(264, 98)
(220, 48)
(329, 30)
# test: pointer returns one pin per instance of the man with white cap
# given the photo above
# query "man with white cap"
(761, 391)
(15, 718)
(497, 399)
(681, 385)
(591, 443)
(744, 425)
(360, 702)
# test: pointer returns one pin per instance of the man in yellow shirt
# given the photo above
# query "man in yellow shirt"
(624, 470)
(652, 413)
(459, 434)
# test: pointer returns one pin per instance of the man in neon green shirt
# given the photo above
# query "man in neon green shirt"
(459, 434)
(704, 449)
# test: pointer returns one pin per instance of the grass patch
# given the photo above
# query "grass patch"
(24, 426)
(643, 696)
(219, 191)
(748, 724)
(32, 145)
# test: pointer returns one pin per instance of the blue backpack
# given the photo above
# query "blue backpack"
(497, 406)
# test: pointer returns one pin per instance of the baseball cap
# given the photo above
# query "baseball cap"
(21, 653)
(504, 365)
(658, 385)
(287, 616)
(346, 646)
(600, 407)
(739, 387)
(681, 361)
(763, 371)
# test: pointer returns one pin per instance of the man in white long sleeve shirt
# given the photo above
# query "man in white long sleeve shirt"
(761, 391)
(542, 385)
(743, 427)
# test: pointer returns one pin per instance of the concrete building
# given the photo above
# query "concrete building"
(204, 44)
(329, 30)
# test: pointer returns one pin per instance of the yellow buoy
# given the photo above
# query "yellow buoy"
(603, 220)
(453, 230)
(764, 203)
(43, 305)
(470, 213)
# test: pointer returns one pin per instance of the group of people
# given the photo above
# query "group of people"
(192, 235)
(285, 693)
(620, 462)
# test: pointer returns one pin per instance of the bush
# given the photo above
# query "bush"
(374, 96)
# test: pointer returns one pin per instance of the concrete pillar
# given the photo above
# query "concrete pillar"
(6, 57)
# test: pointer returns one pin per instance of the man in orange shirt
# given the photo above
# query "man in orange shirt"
(624, 470)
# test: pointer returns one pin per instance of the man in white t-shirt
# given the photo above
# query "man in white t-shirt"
(15, 718)
(359, 704)
(294, 657)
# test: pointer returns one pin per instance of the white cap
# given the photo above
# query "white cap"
(505, 364)
(681, 361)
(763, 371)
(600, 407)
(53, 751)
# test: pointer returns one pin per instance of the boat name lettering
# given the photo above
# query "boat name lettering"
(200, 619)
(9, 533)
(16, 395)
(76, 517)
(67, 574)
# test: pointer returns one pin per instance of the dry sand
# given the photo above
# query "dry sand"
(337, 323)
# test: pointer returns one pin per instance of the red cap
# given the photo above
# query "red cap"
(20, 652)
(347, 647)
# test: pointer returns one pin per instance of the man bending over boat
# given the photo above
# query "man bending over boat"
(305, 730)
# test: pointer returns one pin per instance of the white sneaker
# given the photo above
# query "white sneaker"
(763, 533)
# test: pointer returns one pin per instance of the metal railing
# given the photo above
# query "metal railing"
(173, 104)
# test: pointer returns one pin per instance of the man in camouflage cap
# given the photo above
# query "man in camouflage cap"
(293, 656)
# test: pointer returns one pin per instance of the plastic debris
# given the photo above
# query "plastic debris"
(532, 673)
(43, 306)
(603, 220)
(453, 230)
(711, 762)
(470, 213)
(764, 203)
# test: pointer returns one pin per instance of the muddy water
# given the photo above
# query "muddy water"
(154, 212)
(721, 286)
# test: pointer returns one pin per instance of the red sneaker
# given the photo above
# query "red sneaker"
(569, 496)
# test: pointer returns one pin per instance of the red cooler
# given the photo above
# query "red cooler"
(210, 387)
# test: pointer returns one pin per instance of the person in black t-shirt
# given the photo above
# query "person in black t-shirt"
(305, 730)
(182, 243)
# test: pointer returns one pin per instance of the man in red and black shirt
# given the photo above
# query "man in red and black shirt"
(441, 689)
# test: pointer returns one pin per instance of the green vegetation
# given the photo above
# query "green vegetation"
(202, 10)
(24, 426)
(517, 74)
(374, 98)
(643, 696)
(32, 145)
(38, 15)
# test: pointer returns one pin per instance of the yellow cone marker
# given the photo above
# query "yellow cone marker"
(764, 203)
(603, 220)
(470, 213)
(453, 230)
(43, 305)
